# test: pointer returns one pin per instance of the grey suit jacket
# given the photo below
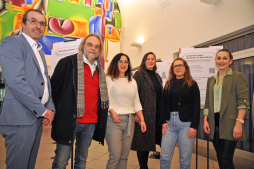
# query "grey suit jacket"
(24, 84)
(234, 94)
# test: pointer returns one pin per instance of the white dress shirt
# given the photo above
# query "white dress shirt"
(92, 67)
(36, 48)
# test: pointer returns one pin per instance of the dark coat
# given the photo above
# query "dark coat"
(146, 141)
(64, 93)
(188, 106)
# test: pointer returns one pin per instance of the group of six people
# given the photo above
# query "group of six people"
(131, 112)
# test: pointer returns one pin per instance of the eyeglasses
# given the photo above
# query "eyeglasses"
(178, 66)
(91, 45)
(34, 21)
(123, 63)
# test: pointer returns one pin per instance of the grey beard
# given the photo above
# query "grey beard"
(90, 59)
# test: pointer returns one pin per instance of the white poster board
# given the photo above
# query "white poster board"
(202, 65)
(163, 70)
(61, 50)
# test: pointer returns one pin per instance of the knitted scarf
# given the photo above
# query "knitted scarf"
(81, 86)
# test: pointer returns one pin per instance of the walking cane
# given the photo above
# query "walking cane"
(207, 152)
(72, 157)
(197, 150)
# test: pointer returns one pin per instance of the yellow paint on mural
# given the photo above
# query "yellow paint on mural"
(17, 21)
(74, 1)
(98, 12)
(114, 34)
(81, 29)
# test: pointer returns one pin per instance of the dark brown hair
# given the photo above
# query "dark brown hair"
(187, 75)
(229, 53)
(24, 19)
(113, 70)
(143, 63)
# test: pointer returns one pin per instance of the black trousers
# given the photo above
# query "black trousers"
(142, 159)
(224, 148)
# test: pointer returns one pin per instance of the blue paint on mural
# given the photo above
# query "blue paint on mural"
(110, 29)
(95, 25)
(47, 41)
(29, 2)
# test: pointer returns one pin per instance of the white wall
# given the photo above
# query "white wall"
(182, 23)
(113, 49)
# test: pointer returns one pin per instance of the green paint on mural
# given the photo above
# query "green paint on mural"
(93, 2)
(54, 34)
(118, 20)
(106, 49)
(65, 9)
(6, 23)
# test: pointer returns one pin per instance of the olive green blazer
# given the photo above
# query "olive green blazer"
(234, 94)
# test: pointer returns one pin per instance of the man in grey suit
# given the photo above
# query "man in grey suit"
(27, 105)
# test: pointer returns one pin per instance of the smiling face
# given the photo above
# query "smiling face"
(123, 64)
(150, 62)
(223, 60)
(92, 48)
(179, 69)
(35, 31)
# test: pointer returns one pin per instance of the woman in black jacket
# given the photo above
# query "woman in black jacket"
(180, 111)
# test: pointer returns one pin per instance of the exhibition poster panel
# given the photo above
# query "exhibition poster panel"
(163, 70)
(202, 65)
(61, 50)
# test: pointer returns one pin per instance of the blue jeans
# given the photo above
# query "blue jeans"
(178, 131)
(84, 135)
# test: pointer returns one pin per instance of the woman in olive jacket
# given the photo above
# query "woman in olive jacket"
(149, 88)
(225, 108)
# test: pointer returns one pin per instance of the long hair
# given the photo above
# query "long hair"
(113, 70)
(82, 43)
(143, 63)
(187, 76)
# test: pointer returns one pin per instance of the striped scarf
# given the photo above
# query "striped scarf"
(81, 86)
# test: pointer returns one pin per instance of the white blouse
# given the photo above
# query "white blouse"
(123, 95)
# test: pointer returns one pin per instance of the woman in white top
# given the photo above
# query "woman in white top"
(123, 104)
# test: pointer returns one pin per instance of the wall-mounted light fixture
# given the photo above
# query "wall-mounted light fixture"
(138, 44)
(211, 2)
(141, 40)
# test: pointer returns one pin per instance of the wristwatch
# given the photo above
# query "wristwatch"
(241, 120)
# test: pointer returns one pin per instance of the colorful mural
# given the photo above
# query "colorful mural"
(67, 19)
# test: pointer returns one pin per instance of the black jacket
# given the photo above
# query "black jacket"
(64, 94)
(188, 104)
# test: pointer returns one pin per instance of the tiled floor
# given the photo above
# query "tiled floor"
(98, 156)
